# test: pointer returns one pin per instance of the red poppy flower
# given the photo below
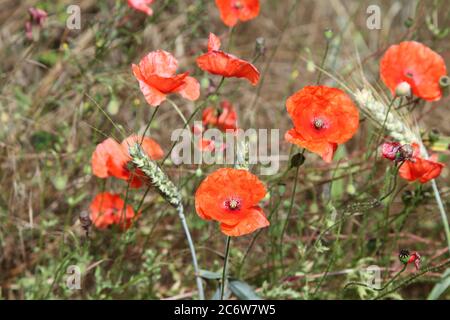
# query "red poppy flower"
(110, 159)
(226, 120)
(415, 64)
(157, 78)
(231, 196)
(141, 5)
(323, 118)
(420, 169)
(233, 10)
(218, 62)
(107, 209)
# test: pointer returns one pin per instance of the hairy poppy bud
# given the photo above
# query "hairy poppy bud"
(260, 47)
(434, 135)
(404, 256)
(85, 221)
(407, 196)
(403, 89)
(328, 33)
(297, 160)
(444, 83)
(409, 22)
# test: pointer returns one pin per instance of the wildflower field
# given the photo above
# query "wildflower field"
(224, 149)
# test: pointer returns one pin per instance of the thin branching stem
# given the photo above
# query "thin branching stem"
(224, 271)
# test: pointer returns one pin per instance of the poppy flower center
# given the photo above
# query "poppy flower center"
(237, 5)
(233, 204)
(318, 123)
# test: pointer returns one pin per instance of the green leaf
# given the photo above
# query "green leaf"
(441, 286)
(242, 290)
(206, 274)
(43, 140)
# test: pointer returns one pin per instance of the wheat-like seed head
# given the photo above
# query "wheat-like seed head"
(378, 112)
(157, 177)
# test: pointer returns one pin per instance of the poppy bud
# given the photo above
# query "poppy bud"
(85, 221)
(403, 89)
(434, 135)
(404, 256)
(409, 22)
(328, 33)
(297, 160)
(260, 47)
(407, 196)
(444, 83)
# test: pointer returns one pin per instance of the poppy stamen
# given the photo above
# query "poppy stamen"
(233, 204)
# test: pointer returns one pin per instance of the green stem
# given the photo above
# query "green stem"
(148, 125)
(440, 204)
(323, 62)
(291, 205)
(224, 272)
(201, 293)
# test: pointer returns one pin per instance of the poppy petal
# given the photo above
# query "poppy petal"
(254, 220)
(101, 158)
(159, 62)
(153, 96)
(227, 65)
(213, 42)
(141, 5)
(323, 148)
(191, 89)
(231, 11)
(167, 84)
(107, 209)
(420, 169)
